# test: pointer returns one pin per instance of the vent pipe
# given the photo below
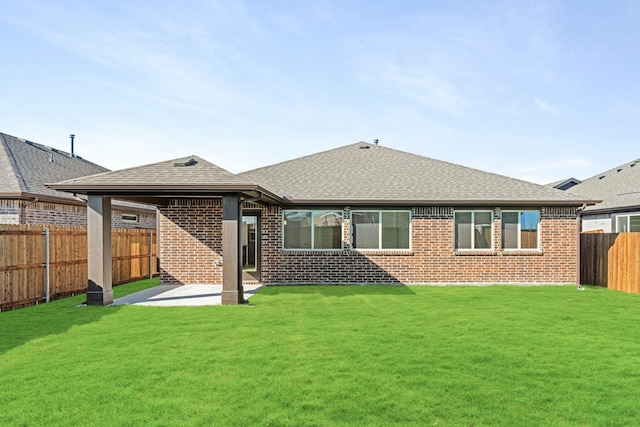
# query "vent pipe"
(375, 141)
(72, 136)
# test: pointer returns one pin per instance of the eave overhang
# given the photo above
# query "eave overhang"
(436, 202)
(156, 193)
(43, 198)
(73, 201)
(612, 210)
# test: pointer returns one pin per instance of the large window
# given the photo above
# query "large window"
(625, 223)
(312, 230)
(380, 229)
(520, 229)
(473, 229)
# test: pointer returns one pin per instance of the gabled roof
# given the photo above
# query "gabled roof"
(618, 188)
(363, 173)
(25, 167)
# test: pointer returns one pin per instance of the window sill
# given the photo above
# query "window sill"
(476, 253)
(383, 252)
(499, 253)
(313, 251)
(522, 252)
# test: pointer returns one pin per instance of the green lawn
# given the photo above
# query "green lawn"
(329, 355)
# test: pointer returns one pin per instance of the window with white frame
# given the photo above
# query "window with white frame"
(379, 230)
(306, 229)
(520, 229)
(129, 217)
(473, 229)
(626, 223)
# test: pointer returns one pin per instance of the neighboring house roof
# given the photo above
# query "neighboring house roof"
(358, 173)
(618, 188)
(564, 184)
(25, 168)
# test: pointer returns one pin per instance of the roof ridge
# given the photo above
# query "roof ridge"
(303, 157)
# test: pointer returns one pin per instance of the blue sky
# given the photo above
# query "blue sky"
(530, 89)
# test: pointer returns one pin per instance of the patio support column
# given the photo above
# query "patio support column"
(99, 290)
(232, 292)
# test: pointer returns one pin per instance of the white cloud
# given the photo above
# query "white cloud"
(181, 54)
(545, 172)
(544, 106)
(425, 86)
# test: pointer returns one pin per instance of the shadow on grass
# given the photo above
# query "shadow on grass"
(337, 290)
(17, 327)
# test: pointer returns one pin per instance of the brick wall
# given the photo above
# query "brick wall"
(191, 251)
(62, 214)
(9, 211)
(191, 242)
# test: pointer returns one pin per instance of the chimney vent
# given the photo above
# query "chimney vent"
(72, 136)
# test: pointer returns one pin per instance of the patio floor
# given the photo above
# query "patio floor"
(181, 295)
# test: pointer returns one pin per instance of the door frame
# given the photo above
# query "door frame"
(255, 274)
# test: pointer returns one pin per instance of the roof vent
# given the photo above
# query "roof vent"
(632, 164)
(364, 147)
(375, 141)
(600, 177)
(189, 161)
(619, 170)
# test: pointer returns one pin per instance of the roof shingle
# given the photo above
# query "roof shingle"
(366, 172)
(618, 188)
(26, 166)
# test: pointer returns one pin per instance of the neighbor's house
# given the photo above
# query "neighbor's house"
(25, 168)
(619, 190)
(361, 213)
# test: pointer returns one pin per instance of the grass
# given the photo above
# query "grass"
(329, 355)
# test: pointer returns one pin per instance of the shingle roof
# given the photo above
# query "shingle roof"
(364, 172)
(188, 171)
(356, 173)
(26, 166)
(618, 188)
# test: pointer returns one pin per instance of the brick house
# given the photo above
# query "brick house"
(25, 168)
(361, 213)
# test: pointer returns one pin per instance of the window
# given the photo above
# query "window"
(473, 229)
(625, 223)
(312, 230)
(380, 229)
(520, 229)
(130, 217)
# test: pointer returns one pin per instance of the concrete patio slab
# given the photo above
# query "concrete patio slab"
(181, 295)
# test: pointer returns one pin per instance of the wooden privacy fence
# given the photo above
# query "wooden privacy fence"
(611, 260)
(23, 261)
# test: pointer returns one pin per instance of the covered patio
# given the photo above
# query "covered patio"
(157, 184)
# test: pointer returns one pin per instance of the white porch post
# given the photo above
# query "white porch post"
(99, 287)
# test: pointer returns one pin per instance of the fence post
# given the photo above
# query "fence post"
(47, 263)
(150, 254)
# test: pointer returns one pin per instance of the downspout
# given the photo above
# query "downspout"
(578, 227)
(23, 210)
